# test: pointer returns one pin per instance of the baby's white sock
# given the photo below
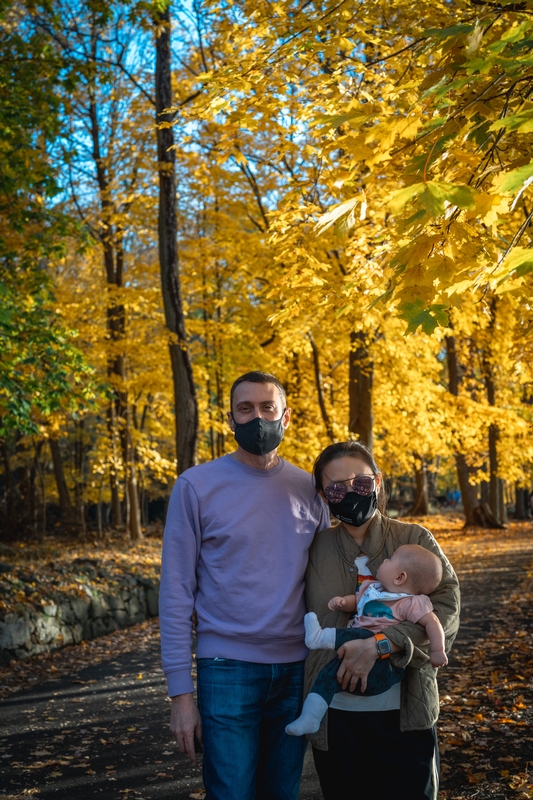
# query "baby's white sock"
(309, 720)
(317, 638)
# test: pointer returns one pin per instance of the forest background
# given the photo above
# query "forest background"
(349, 186)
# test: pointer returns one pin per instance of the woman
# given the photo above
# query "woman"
(386, 742)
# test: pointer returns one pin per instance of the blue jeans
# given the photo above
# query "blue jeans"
(244, 709)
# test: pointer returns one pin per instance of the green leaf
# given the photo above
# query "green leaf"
(417, 315)
(446, 33)
(516, 177)
(518, 263)
(400, 197)
(523, 121)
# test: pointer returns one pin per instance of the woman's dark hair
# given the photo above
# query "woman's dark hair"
(355, 450)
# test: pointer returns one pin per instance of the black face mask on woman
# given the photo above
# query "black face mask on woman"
(355, 509)
(259, 436)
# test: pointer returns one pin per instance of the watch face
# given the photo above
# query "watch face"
(383, 647)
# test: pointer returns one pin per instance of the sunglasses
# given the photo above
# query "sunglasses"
(362, 484)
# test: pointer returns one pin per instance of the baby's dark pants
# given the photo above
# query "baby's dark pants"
(382, 676)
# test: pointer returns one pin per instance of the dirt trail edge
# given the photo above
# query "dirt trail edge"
(100, 727)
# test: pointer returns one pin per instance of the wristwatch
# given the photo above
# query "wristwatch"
(383, 644)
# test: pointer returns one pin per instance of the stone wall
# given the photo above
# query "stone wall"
(68, 619)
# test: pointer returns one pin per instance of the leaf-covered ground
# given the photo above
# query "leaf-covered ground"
(485, 729)
(35, 574)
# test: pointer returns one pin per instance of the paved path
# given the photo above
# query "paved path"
(102, 731)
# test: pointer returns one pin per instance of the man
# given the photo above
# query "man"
(235, 551)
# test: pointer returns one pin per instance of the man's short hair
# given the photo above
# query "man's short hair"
(258, 377)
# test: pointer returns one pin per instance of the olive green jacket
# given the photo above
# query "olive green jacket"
(331, 571)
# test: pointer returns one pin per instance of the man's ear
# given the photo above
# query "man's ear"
(286, 418)
(231, 421)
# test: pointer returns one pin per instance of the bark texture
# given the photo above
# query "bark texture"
(186, 407)
(361, 378)
(421, 503)
(320, 389)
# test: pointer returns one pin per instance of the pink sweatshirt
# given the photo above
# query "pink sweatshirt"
(235, 548)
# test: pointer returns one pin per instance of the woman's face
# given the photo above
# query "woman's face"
(344, 469)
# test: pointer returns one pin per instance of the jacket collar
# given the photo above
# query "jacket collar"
(373, 543)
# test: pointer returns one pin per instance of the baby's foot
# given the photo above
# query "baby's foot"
(317, 638)
(309, 720)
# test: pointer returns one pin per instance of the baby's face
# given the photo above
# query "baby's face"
(389, 571)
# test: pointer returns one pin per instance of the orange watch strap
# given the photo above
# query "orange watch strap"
(381, 637)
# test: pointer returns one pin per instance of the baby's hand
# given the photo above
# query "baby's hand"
(337, 603)
(438, 658)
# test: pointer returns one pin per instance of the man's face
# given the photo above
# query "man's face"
(252, 400)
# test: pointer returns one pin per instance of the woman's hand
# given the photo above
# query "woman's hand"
(358, 658)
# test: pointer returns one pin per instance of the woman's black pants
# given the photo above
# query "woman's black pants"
(368, 752)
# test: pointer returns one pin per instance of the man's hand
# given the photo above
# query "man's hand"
(185, 722)
(358, 658)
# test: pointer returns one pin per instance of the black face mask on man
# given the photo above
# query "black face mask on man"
(355, 509)
(259, 436)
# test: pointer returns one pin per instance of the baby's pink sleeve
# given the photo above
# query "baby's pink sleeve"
(412, 608)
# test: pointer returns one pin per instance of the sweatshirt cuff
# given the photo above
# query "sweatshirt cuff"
(179, 682)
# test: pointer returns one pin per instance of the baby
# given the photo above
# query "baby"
(399, 594)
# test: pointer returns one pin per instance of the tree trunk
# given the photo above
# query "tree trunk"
(502, 507)
(79, 464)
(421, 503)
(494, 489)
(186, 407)
(521, 511)
(116, 510)
(134, 526)
(361, 379)
(320, 389)
(8, 479)
(61, 483)
(475, 514)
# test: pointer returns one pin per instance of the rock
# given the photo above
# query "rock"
(70, 619)
(4, 568)
(85, 561)
(77, 632)
(99, 607)
(99, 628)
(133, 607)
(46, 629)
(66, 635)
(121, 617)
(15, 633)
(110, 625)
(152, 602)
(5, 636)
(65, 613)
(80, 607)
(116, 602)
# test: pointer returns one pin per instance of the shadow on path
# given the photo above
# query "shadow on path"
(102, 730)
